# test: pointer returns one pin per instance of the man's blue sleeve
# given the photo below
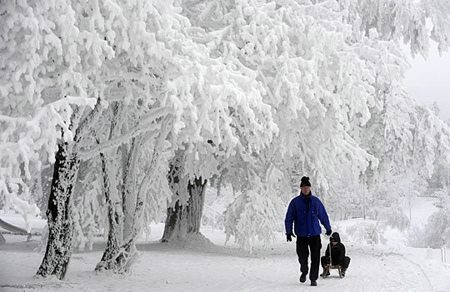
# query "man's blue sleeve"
(323, 217)
(290, 215)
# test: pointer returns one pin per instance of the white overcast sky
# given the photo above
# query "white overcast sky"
(429, 80)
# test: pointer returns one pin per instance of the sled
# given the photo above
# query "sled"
(326, 271)
(330, 266)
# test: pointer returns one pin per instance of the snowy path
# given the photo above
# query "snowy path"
(162, 268)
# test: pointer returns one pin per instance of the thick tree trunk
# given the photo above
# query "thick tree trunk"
(173, 223)
(59, 215)
(195, 204)
(184, 220)
(60, 225)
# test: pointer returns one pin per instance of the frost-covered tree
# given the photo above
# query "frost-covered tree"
(310, 76)
(224, 116)
(436, 232)
(43, 106)
(115, 55)
(416, 23)
(76, 54)
(337, 98)
(393, 132)
(441, 175)
(121, 56)
(126, 170)
(160, 97)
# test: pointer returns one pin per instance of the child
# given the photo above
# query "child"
(337, 256)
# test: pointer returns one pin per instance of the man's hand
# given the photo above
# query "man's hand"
(328, 233)
(289, 236)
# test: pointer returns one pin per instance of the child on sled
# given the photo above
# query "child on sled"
(338, 258)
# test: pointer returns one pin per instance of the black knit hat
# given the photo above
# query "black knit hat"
(305, 182)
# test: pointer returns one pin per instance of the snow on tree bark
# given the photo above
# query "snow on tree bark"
(115, 215)
(59, 215)
(120, 250)
(196, 202)
(183, 219)
(114, 204)
(129, 193)
(59, 244)
(121, 214)
(124, 211)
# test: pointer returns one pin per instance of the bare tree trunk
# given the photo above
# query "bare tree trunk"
(60, 224)
(183, 219)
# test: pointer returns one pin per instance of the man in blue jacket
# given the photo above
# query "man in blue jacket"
(304, 212)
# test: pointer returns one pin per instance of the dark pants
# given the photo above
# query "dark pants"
(326, 261)
(304, 246)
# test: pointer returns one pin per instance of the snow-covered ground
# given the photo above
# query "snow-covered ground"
(205, 267)
(215, 268)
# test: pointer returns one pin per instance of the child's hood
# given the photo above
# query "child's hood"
(335, 236)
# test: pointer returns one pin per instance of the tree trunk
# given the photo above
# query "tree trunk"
(60, 225)
(120, 250)
(115, 217)
(184, 219)
(115, 202)
(129, 192)
(59, 215)
(123, 213)
(195, 205)
(120, 247)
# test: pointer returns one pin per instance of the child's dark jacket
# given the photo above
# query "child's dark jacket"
(337, 250)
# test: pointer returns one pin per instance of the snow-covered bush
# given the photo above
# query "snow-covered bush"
(394, 218)
(415, 237)
(435, 234)
(215, 205)
(252, 218)
(365, 232)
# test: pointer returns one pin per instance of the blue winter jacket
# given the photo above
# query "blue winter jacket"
(306, 212)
